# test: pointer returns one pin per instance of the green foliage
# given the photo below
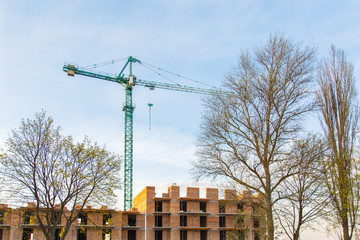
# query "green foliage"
(340, 113)
(54, 172)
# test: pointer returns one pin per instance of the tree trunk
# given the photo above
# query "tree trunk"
(345, 226)
(269, 219)
(344, 194)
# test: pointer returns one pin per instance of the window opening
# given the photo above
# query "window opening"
(240, 221)
(106, 234)
(256, 223)
(221, 207)
(202, 206)
(28, 234)
(81, 234)
(222, 235)
(241, 234)
(57, 234)
(57, 218)
(158, 221)
(158, 206)
(131, 235)
(183, 206)
(132, 220)
(222, 222)
(203, 235)
(158, 235)
(2, 217)
(183, 235)
(202, 221)
(256, 236)
(29, 217)
(82, 219)
(183, 221)
(106, 218)
(240, 207)
(255, 209)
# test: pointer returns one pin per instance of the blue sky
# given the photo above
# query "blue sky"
(198, 39)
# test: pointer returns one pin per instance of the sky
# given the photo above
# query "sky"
(199, 39)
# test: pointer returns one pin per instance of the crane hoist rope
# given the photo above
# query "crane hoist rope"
(150, 106)
(128, 83)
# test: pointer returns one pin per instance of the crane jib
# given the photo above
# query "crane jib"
(132, 81)
(128, 83)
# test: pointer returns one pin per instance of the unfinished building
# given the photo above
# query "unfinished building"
(166, 217)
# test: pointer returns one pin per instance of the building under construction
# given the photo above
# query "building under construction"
(165, 217)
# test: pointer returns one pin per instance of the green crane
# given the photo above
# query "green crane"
(129, 82)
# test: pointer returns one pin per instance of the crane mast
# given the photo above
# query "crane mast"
(128, 144)
(129, 108)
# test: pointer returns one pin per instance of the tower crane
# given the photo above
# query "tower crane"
(128, 83)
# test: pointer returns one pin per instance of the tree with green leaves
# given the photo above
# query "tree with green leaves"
(306, 198)
(42, 166)
(339, 117)
(245, 137)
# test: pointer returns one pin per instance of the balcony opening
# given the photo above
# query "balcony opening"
(131, 234)
(158, 235)
(81, 234)
(183, 221)
(158, 221)
(158, 206)
(221, 221)
(82, 219)
(132, 220)
(202, 206)
(28, 234)
(203, 221)
(106, 218)
(183, 235)
(203, 235)
(106, 234)
(183, 206)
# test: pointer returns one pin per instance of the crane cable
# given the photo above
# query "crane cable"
(160, 75)
(175, 74)
(104, 63)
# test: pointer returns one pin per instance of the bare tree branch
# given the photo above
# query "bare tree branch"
(56, 173)
(339, 116)
(245, 138)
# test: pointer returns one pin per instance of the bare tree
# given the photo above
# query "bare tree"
(306, 199)
(48, 169)
(245, 137)
(339, 116)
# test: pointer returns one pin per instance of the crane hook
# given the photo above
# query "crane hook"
(150, 105)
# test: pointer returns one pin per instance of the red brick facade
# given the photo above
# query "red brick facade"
(169, 217)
